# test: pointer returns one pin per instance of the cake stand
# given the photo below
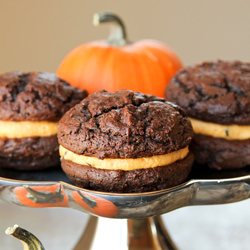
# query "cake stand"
(134, 219)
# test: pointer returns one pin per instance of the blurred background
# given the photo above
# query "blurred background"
(36, 36)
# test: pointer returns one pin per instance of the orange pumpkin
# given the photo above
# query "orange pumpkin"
(145, 66)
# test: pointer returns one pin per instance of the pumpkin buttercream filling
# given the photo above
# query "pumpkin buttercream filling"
(229, 132)
(125, 164)
(22, 129)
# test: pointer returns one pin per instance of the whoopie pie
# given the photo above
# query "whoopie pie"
(216, 96)
(125, 142)
(30, 106)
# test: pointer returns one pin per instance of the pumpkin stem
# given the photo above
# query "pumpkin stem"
(30, 241)
(118, 36)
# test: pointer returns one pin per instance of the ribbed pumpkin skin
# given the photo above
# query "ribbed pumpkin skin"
(145, 66)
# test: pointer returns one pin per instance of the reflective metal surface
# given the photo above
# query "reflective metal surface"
(127, 234)
(38, 190)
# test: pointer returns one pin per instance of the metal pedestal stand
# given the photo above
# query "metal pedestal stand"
(125, 221)
(129, 234)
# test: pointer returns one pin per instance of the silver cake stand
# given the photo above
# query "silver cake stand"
(134, 218)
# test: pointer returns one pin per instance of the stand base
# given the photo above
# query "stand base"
(125, 234)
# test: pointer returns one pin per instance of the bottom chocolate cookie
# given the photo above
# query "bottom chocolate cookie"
(220, 153)
(31, 153)
(119, 181)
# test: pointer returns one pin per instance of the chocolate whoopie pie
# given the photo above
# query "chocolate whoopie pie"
(216, 96)
(125, 142)
(30, 106)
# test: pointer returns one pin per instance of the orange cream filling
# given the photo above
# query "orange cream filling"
(229, 132)
(22, 129)
(124, 164)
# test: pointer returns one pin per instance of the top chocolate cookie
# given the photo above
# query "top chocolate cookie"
(124, 124)
(216, 92)
(36, 96)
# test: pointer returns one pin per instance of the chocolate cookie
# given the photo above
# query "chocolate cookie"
(216, 95)
(218, 152)
(29, 153)
(116, 137)
(30, 106)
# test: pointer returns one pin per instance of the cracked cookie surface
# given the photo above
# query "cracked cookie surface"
(36, 96)
(124, 124)
(213, 91)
